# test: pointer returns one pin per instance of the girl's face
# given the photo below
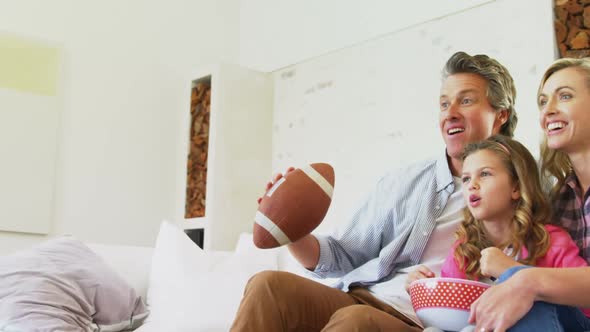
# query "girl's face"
(564, 103)
(488, 188)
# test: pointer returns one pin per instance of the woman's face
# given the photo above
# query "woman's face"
(564, 103)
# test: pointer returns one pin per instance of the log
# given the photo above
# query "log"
(561, 13)
(586, 16)
(580, 41)
(562, 50)
(572, 33)
(575, 21)
(577, 53)
(198, 151)
(573, 7)
(560, 31)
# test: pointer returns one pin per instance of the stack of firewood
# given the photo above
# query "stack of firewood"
(572, 27)
(197, 157)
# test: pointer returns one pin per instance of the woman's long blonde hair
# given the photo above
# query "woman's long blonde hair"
(555, 164)
(532, 210)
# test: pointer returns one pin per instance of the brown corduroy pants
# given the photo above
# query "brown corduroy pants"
(282, 301)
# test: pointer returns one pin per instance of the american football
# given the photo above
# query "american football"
(294, 206)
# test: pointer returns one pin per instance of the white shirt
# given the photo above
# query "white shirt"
(390, 228)
(393, 291)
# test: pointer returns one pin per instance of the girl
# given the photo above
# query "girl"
(505, 222)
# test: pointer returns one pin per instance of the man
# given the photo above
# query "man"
(408, 220)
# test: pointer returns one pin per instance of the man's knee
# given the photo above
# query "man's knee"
(263, 281)
(357, 312)
(355, 318)
(264, 278)
(267, 284)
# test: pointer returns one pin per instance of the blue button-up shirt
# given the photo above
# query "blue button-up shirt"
(391, 227)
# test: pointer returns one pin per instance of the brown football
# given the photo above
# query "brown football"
(294, 206)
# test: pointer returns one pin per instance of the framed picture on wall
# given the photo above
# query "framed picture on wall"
(30, 105)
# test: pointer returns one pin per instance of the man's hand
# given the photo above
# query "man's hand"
(421, 272)
(501, 306)
(494, 262)
(275, 178)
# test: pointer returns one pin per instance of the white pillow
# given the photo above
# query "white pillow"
(195, 290)
(245, 246)
(285, 261)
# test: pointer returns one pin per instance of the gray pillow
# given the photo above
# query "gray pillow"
(61, 285)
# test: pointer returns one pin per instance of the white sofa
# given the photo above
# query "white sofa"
(188, 289)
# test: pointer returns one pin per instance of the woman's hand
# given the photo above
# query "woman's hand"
(493, 312)
(275, 178)
(494, 262)
(421, 272)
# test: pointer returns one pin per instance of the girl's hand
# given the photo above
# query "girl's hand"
(421, 272)
(494, 262)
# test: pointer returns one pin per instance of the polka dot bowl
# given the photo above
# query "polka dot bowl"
(445, 302)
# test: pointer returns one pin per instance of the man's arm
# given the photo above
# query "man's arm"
(306, 250)
(568, 286)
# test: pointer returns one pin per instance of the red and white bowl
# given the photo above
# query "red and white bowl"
(445, 302)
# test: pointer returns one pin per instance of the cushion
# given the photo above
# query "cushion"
(196, 290)
(61, 285)
(131, 262)
(285, 261)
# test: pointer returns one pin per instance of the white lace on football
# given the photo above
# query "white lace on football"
(319, 179)
(270, 227)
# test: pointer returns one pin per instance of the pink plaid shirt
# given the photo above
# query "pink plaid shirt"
(572, 212)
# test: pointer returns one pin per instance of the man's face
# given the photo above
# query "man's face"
(465, 113)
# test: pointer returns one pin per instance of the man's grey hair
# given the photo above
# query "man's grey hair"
(501, 91)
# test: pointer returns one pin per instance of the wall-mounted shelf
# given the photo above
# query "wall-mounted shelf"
(238, 155)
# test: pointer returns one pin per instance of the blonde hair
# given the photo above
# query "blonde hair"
(501, 91)
(555, 164)
(532, 210)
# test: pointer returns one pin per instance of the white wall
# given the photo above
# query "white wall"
(373, 107)
(127, 74)
(280, 33)
(126, 87)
